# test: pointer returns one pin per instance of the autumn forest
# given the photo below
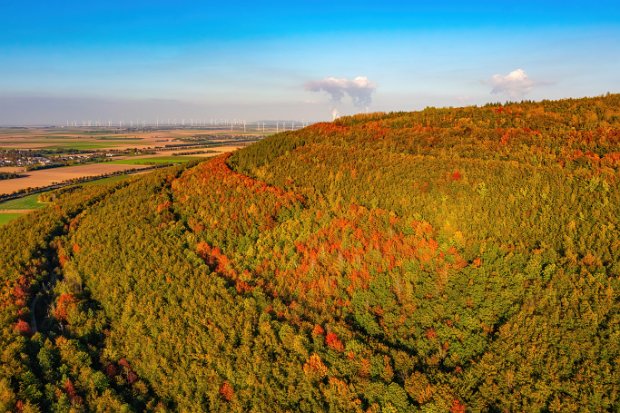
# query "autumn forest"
(445, 260)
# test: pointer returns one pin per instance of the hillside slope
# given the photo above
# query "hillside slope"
(444, 260)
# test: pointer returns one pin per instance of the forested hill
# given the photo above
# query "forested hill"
(444, 260)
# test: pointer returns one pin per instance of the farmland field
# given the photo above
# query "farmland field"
(27, 202)
(101, 139)
(46, 177)
(67, 144)
(155, 160)
(11, 169)
(6, 218)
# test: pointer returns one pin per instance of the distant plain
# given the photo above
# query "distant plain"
(163, 146)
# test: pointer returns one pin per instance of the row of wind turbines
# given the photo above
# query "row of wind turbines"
(235, 124)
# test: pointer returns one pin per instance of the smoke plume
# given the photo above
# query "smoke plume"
(335, 114)
(359, 89)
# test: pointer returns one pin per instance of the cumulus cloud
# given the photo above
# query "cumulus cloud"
(359, 89)
(514, 84)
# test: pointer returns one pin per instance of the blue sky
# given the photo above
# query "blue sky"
(123, 60)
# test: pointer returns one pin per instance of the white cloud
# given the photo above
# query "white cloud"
(359, 89)
(514, 84)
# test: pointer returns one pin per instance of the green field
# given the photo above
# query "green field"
(56, 142)
(157, 160)
(81, 145)
(27, 202)
(6, 218)
(62, 144)
(118, 138)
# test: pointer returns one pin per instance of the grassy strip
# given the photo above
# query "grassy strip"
(27, 202)
(6, 218)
